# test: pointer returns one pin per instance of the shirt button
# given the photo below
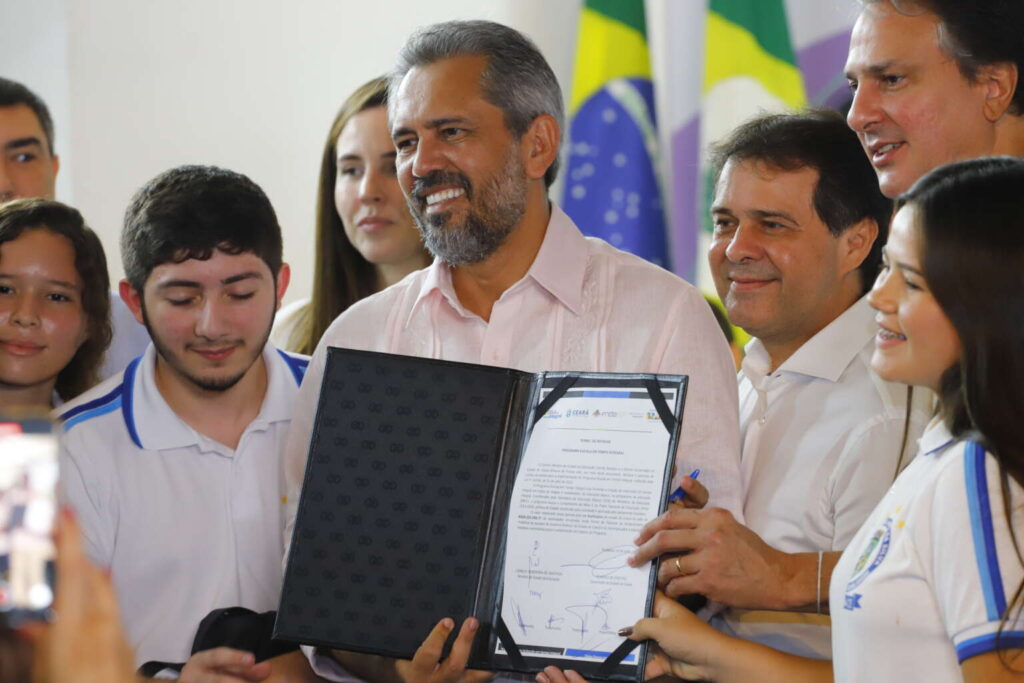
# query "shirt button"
(761, 420)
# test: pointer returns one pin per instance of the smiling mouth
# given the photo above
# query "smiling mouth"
(21, 348)
(216, 354)
(444, 195)
(885, 334)
(881, 154)
(749, 284)
(372, 223)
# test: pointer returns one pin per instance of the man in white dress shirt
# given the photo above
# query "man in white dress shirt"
(799, 224)
(476, 116)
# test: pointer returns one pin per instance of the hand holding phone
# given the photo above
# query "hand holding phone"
(28, 508)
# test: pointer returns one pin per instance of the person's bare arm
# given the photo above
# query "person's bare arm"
(994, 667)
(699, 652)
(85, 642)
(696, 651)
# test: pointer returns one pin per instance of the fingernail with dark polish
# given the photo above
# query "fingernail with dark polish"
(626, 632)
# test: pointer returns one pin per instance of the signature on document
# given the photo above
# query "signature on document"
(593, 616)
(607, 561)
(532, 563)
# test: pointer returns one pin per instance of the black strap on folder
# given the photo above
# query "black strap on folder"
(607, 667)
(511, 649)
(660, 404)
(558, 392)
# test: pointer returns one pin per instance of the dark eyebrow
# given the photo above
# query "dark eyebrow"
(59, 283)
(441, 123)
(432, 124)
(23, 142)
(762, 214)
(900, 264)
(170, 284)
(876, 69)
(350, 157)
(178, 283)
(252, 274)
(908, 267)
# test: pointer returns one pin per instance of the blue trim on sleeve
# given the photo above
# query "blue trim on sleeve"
(296, 365)
(127, 408)
(989, 643)
(113, 403)
(68, 418)
(981, 531)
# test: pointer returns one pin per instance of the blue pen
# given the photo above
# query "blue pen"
(678, 495)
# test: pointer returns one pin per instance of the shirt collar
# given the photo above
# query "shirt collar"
(559, 268)
(828, 353)
(438, 279)
(561, 262)
(936, 437)
(155, 426)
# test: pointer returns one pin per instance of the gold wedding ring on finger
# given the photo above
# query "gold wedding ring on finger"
(678, 568)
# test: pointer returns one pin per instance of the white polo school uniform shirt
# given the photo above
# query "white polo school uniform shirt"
(924, 583)
(185, 524)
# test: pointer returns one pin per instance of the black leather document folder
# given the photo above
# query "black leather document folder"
(404, 512)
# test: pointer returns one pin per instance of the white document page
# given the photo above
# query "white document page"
(592, 475)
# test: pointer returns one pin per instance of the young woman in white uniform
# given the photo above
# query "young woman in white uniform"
(930, 587)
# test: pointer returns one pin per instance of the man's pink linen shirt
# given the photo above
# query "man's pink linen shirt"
(583, 306)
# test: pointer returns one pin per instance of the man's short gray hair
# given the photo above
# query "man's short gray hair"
(517, 79)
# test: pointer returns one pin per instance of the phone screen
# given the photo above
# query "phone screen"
(28, 509)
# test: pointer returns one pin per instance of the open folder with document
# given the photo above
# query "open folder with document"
(440, 489)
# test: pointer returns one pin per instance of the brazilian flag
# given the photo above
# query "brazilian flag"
(749, 68)
(612, 185)
(749, 40)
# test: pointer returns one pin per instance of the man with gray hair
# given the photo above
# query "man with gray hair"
(476, 116)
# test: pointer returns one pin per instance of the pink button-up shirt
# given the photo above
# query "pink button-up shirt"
(582, 306)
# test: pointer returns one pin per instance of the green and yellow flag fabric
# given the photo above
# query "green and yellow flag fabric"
(748, 52)
(612, 188)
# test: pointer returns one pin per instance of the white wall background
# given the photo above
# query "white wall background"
(34, 51)
(139, 86)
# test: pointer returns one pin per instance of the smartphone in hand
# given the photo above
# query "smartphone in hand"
(28, 511)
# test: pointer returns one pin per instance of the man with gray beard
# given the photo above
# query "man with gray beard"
(476, 116)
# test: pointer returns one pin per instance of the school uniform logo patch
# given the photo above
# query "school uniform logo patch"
(869, 560)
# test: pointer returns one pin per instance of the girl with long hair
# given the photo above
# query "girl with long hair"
(54, 305)
(365, 237)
